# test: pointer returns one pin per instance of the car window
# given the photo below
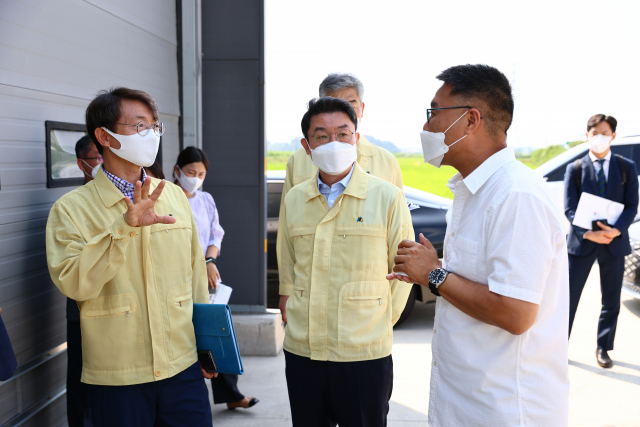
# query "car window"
(274, 195)
(624, 150)
(558, 174)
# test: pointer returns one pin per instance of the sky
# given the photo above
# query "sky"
(566, 60)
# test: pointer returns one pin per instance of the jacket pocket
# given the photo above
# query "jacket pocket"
(364, 249)
(171, 246)
(112, 337)
(302, 239)
(298, 312)
(180, 310)
(364, 313)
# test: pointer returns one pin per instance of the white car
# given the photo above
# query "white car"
(554, 170)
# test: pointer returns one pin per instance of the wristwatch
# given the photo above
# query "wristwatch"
(436, 278)
(210, 259)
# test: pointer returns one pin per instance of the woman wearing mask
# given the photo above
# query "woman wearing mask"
(190, 171)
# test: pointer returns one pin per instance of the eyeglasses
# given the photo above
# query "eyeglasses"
(99, 158)
(143, 128)
(342, 135)
(429, 110)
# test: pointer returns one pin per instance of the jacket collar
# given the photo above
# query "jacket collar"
(357, 187)
(109, 193)
(365, 148)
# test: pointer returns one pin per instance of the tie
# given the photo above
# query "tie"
(602, 182)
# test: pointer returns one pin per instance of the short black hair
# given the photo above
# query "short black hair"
(192, 155)
(326, 104)
(83, 146)
(104, 110)
(595, 120)
(486, 85)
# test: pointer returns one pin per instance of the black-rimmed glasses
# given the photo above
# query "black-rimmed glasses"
(429, 110)
(143, 128)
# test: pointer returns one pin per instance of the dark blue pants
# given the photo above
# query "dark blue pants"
(225, 389)
(351, 394)
(78, 413)
(611, 271)
(181, 400)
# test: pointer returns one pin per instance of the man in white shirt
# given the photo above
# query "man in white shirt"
(499, 338)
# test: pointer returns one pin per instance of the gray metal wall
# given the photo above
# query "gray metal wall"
(234, 140)
(54, 56)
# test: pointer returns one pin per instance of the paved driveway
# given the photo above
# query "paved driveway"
(599, 397)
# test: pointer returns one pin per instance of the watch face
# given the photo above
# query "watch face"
(437, 276)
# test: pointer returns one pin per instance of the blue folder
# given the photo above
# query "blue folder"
(213, 326)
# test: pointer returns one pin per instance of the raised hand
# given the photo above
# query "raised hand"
(141, 212)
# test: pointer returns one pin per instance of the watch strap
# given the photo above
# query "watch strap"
(210, 259)
(434, 289)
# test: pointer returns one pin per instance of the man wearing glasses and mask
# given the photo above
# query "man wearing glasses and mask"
(499, 339)
(341, 229)
(126, 248)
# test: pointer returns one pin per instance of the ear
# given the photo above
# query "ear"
(304, 144)
(80, 164)
(105, 139)
(474, 120)
(613, 136)
(587, 135)
(176, 170)
(362, 108)
(357, 138)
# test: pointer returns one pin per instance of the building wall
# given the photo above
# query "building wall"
(54, 56)
(233, 138)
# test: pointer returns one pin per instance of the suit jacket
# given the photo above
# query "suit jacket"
(627, 195)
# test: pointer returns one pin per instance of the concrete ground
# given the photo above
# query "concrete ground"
(599, 397)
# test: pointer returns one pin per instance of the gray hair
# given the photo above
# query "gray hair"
(338, 81)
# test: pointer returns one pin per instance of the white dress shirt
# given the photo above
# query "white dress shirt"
(332, 193)
(605, 165)
(503, 232)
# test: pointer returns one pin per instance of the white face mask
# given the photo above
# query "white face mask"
(433, 146)
(94, 170)
(189, 183)
(599, 143)
(137, 149)
(335, 157)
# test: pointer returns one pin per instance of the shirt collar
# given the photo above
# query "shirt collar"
(478, 177)
(344, 181)
(595, 159)
(356, 187)
(110, 192)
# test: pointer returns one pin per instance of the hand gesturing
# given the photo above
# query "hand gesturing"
(141, 211)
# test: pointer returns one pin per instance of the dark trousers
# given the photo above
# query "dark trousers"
(181, 400)
(225, 389)
(78, 413)
(351, 394)
(611, 271)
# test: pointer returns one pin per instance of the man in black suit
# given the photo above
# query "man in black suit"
(615, 178)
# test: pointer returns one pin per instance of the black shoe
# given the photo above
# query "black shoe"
(603, 358)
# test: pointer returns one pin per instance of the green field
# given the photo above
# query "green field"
(415, 172)
(418, 174)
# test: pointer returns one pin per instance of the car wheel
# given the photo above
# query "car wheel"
(410, 303)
